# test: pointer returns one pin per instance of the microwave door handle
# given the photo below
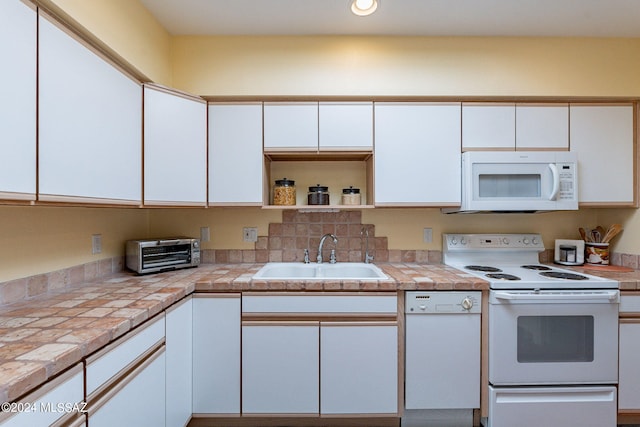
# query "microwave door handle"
(556, 181)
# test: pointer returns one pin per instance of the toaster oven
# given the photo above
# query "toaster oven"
(154, 255)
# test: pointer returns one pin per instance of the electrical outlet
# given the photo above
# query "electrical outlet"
(428, 235)
(250, 234)
(205, 234)
(96, 243)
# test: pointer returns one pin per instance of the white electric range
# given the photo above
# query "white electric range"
(553, 333)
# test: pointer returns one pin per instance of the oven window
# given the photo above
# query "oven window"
(546, 339)
(509, 185)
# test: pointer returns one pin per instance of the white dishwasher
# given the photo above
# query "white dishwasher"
(442, 351)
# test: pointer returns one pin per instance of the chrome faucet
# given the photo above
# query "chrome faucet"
(367, 257)
(335, 242)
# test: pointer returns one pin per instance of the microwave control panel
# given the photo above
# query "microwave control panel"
(567, 177)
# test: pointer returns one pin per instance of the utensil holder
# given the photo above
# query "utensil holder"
(596, 253)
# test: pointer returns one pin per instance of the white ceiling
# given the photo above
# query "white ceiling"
(576, 18)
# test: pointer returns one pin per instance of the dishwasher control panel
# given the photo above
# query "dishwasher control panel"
(458, 302)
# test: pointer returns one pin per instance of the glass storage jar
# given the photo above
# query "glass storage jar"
(284, 192)
(351, 196)
(318, 195)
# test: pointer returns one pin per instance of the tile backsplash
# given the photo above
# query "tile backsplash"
(285, 242)
(300, 230)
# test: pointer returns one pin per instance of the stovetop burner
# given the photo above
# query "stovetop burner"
(536, 267)
(563, 275)
(502, 276)
(483, 268)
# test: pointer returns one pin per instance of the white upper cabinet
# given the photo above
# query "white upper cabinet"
(346, 126)
(509, 126)
(90, 124)
(488, 126)
(417, 154)
(324, 126)
(17, 101)
(291, 126)
(542, 126)
(602, 138)
(235, 154)
(175, 148)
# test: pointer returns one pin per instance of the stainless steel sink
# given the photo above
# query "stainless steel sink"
(339, 271)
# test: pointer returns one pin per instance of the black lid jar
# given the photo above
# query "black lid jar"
(351, 196)
(318, 195)
(284, 192)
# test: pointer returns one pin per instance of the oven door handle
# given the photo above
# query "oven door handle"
(573, 297)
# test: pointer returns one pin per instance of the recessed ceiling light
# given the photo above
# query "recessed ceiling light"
(364, 7)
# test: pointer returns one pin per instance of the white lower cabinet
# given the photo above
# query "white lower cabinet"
(359, 368)
(138, 399)
(280, 372)
(125, 382)
(179, 363)
(216, 354)
(320, 364)
(58, 401)
(629, 348)
(629, 369)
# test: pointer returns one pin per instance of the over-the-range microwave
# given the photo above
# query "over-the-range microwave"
(155, 255)
(518, 181)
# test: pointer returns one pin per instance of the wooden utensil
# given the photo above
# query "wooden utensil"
(612, 232)
(583, 234)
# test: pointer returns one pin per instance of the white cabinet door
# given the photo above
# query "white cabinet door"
(175, 148)
(629, 369)
(17, 101)
(359, 368)
(542, 126)
(291, 126)
(179, 363)
(280, 364)
(138, 400)
(488, 126)
(235, 154)
(345, 126)
(602, 138)
(216, 354)
(417, 154)
(90, 124)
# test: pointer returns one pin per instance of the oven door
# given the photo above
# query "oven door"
(553, 337)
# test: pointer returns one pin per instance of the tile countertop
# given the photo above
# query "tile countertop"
(43, 336)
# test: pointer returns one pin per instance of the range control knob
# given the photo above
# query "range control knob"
(525, 241)
(467, 303)
(463, 241)
(454, 241)
(534, 241)
(505, 240)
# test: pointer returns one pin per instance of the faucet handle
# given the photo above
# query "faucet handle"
(332, 257)
(306, 256)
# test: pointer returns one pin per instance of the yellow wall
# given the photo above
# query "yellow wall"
(407, 66)
(38, 239)
(130, 30)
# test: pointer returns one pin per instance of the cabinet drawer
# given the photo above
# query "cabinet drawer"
(630, 304)
(42, 407)
(304, 303)
(114, 359)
